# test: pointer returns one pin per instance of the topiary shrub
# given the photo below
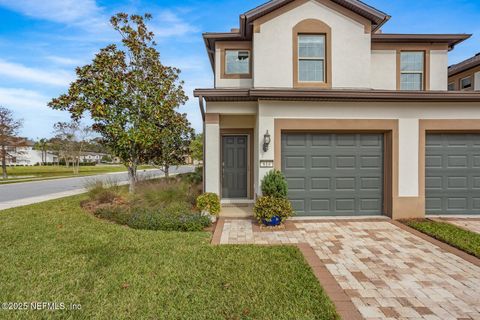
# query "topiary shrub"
(267, 207)
(209, 202)
(274, 185)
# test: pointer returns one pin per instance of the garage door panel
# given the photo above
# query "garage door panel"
(321, 184)
(321, 162)
(321, 140)
(296, 184)
(371, 140)
(321, 205)
(434, 161)
(370, 204)
(345, 162)
(346, 140)
(371, 183)
(452, 173)
(295, 162)
(343, 173)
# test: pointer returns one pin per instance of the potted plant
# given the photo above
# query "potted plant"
(271, 211)
(209, 204)
(273, 208)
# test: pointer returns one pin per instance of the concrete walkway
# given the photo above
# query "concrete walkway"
(26, 193)
(381, 269)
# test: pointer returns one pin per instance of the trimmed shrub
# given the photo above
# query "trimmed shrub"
(274, 184)
(267, 207)
(209, 202)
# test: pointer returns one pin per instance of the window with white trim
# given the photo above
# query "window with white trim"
(311, 58)
(466, 83)
(412, 70)
(237, 62)
(451, 86)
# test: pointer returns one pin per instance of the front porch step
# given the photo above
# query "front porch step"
(236, 210)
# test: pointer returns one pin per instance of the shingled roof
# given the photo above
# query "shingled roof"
(464, 65)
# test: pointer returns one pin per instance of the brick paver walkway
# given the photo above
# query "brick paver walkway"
(469, 224)
(387, 272)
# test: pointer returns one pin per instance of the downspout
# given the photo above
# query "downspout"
(202, 110)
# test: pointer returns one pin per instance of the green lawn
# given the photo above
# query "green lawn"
(462, 239)
(55, 252)
(23, 174)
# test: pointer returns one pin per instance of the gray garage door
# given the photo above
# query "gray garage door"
(334, 174)
(453, 173)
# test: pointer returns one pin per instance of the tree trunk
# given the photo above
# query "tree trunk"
(167, 171)
(132, 177)
(4, 163)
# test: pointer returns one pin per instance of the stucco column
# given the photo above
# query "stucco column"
(212, 157)
(265, 123)
(408, 204)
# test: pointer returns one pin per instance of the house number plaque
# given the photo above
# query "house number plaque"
(266, 163)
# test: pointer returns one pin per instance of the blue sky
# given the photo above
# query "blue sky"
(41, 42)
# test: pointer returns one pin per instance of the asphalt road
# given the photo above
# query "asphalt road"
(17, 192)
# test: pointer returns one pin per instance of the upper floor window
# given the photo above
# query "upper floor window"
(412, 70)
(451, 86)
(237, 62)
(311, 58)
(466, 83)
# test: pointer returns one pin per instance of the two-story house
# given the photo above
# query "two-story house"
(360, 122)
(465, 76)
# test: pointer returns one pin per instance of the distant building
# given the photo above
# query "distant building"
(465, 76)
(25, 155)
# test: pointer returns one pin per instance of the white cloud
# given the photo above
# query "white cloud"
(167, 24)
(13, 98)
(65, 60)
(63, 11)
(21, 72)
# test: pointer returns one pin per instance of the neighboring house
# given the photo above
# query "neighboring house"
(92, 157)
(359, 121)
(25, 155)
(465, 76)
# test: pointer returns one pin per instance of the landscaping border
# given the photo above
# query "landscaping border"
(442, 245)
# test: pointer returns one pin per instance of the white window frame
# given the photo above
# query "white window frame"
(422, 73)
(471, 84)
(249, 62)
(324, 59)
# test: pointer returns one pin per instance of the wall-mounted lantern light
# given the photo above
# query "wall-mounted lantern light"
(266, 141)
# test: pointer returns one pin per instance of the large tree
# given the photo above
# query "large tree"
(171, 144)
(9, 140)
(196, 147)
(127, 91)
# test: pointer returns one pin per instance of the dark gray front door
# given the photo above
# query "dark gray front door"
(452, 166)
(334, 174)
(234, 157)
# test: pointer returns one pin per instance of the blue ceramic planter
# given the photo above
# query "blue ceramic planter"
(275, 221)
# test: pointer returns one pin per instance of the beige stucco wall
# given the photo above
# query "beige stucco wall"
(408, 115)
(439, 70)
(477, 81)
(384, 70)
(212, 158)
(273, 52)
(232, 107)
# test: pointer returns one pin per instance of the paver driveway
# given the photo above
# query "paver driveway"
(387, 272)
